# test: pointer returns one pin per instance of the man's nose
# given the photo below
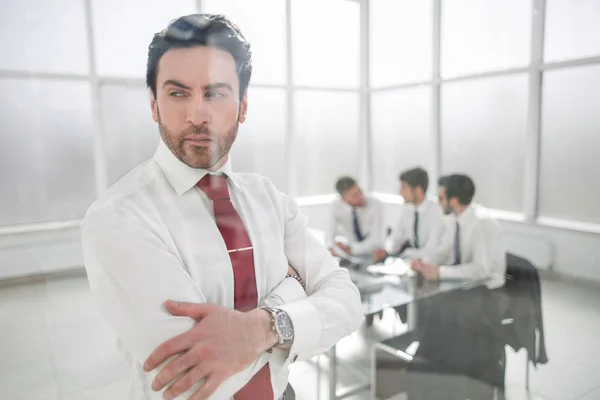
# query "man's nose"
(199, 113)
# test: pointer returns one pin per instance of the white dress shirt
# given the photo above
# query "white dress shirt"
(481, 249)
(370, 220)
(152, 237)
(431, 230)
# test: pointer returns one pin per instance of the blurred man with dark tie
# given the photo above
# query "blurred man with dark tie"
(209, 278)
(472, 247)
(356, 225)
(461, 329)
(420, 227)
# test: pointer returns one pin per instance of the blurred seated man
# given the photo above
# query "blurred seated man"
(357, 218)
(472, 247)
(420, 228)
(461, 328)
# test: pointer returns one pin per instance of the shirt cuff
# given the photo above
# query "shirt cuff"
(410, 254)
(448, 272)
(288, 291)
(307, 325)
(355, 248)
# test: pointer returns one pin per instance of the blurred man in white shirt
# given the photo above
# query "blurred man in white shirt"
(190, 261)
(472, 247)
(461, 329)
(357, 219)
(420, 227)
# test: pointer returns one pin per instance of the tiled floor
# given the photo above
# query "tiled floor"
(54, 345)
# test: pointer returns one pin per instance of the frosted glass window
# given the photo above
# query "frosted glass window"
(572, 29)
(480, 36)
(401, 41)
(327, 126)
(46, 156)
(260, 144)
(326, 43)
(124, 29)
(267, 39)
(570, 166)
(44, 36)
(401, 129)
(130, 134)
(484, 123)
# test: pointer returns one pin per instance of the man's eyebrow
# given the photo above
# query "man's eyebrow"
(218, 85)
(175, 83)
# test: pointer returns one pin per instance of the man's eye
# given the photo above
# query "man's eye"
(176, 94)
(215, 94)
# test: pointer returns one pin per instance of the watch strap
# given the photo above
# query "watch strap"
(273, 312)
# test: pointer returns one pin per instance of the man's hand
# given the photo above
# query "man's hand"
(345, 248)
(222, 343)
(429, 271)
(416, 264)
(379, 255)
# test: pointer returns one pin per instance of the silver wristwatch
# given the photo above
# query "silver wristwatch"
(281, 323)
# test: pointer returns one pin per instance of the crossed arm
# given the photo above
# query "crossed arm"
(132, 287)
(213, 350)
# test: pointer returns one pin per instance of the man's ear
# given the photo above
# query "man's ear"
(243, 108)
(154, 107)
(453, 202)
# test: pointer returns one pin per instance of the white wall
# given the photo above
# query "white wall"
(575, 254)
(33, 253)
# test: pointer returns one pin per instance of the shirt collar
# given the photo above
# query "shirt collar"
(183, 177)
(423, 206)
(467, 216)
(348, 207)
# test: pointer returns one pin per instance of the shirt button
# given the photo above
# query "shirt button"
(294, 358)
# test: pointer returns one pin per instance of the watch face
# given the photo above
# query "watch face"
(284, 326)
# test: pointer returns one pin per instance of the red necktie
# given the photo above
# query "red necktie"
(241, 254)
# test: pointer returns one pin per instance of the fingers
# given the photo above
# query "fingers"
(379, 254)
(186, 381)
(175, 367)
(342, 247)
(208, 387)
(429, 271)
(168, 349)
(192, 310)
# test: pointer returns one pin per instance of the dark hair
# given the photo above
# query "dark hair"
(459, 186)
(415, 177)
(343, 184)
(442, 181)
(193, 30)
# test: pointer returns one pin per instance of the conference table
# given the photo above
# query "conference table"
(388, 285)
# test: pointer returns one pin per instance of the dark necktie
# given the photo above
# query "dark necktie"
(356, 225)
(416, 230)
(241, 254)
(457, 256)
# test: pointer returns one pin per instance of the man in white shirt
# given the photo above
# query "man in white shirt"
(420, 227)
(472, 247)
(461, 329)
(356, 218)
(183, 253)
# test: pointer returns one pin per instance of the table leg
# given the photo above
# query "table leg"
(333, 373)
(412, 318)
